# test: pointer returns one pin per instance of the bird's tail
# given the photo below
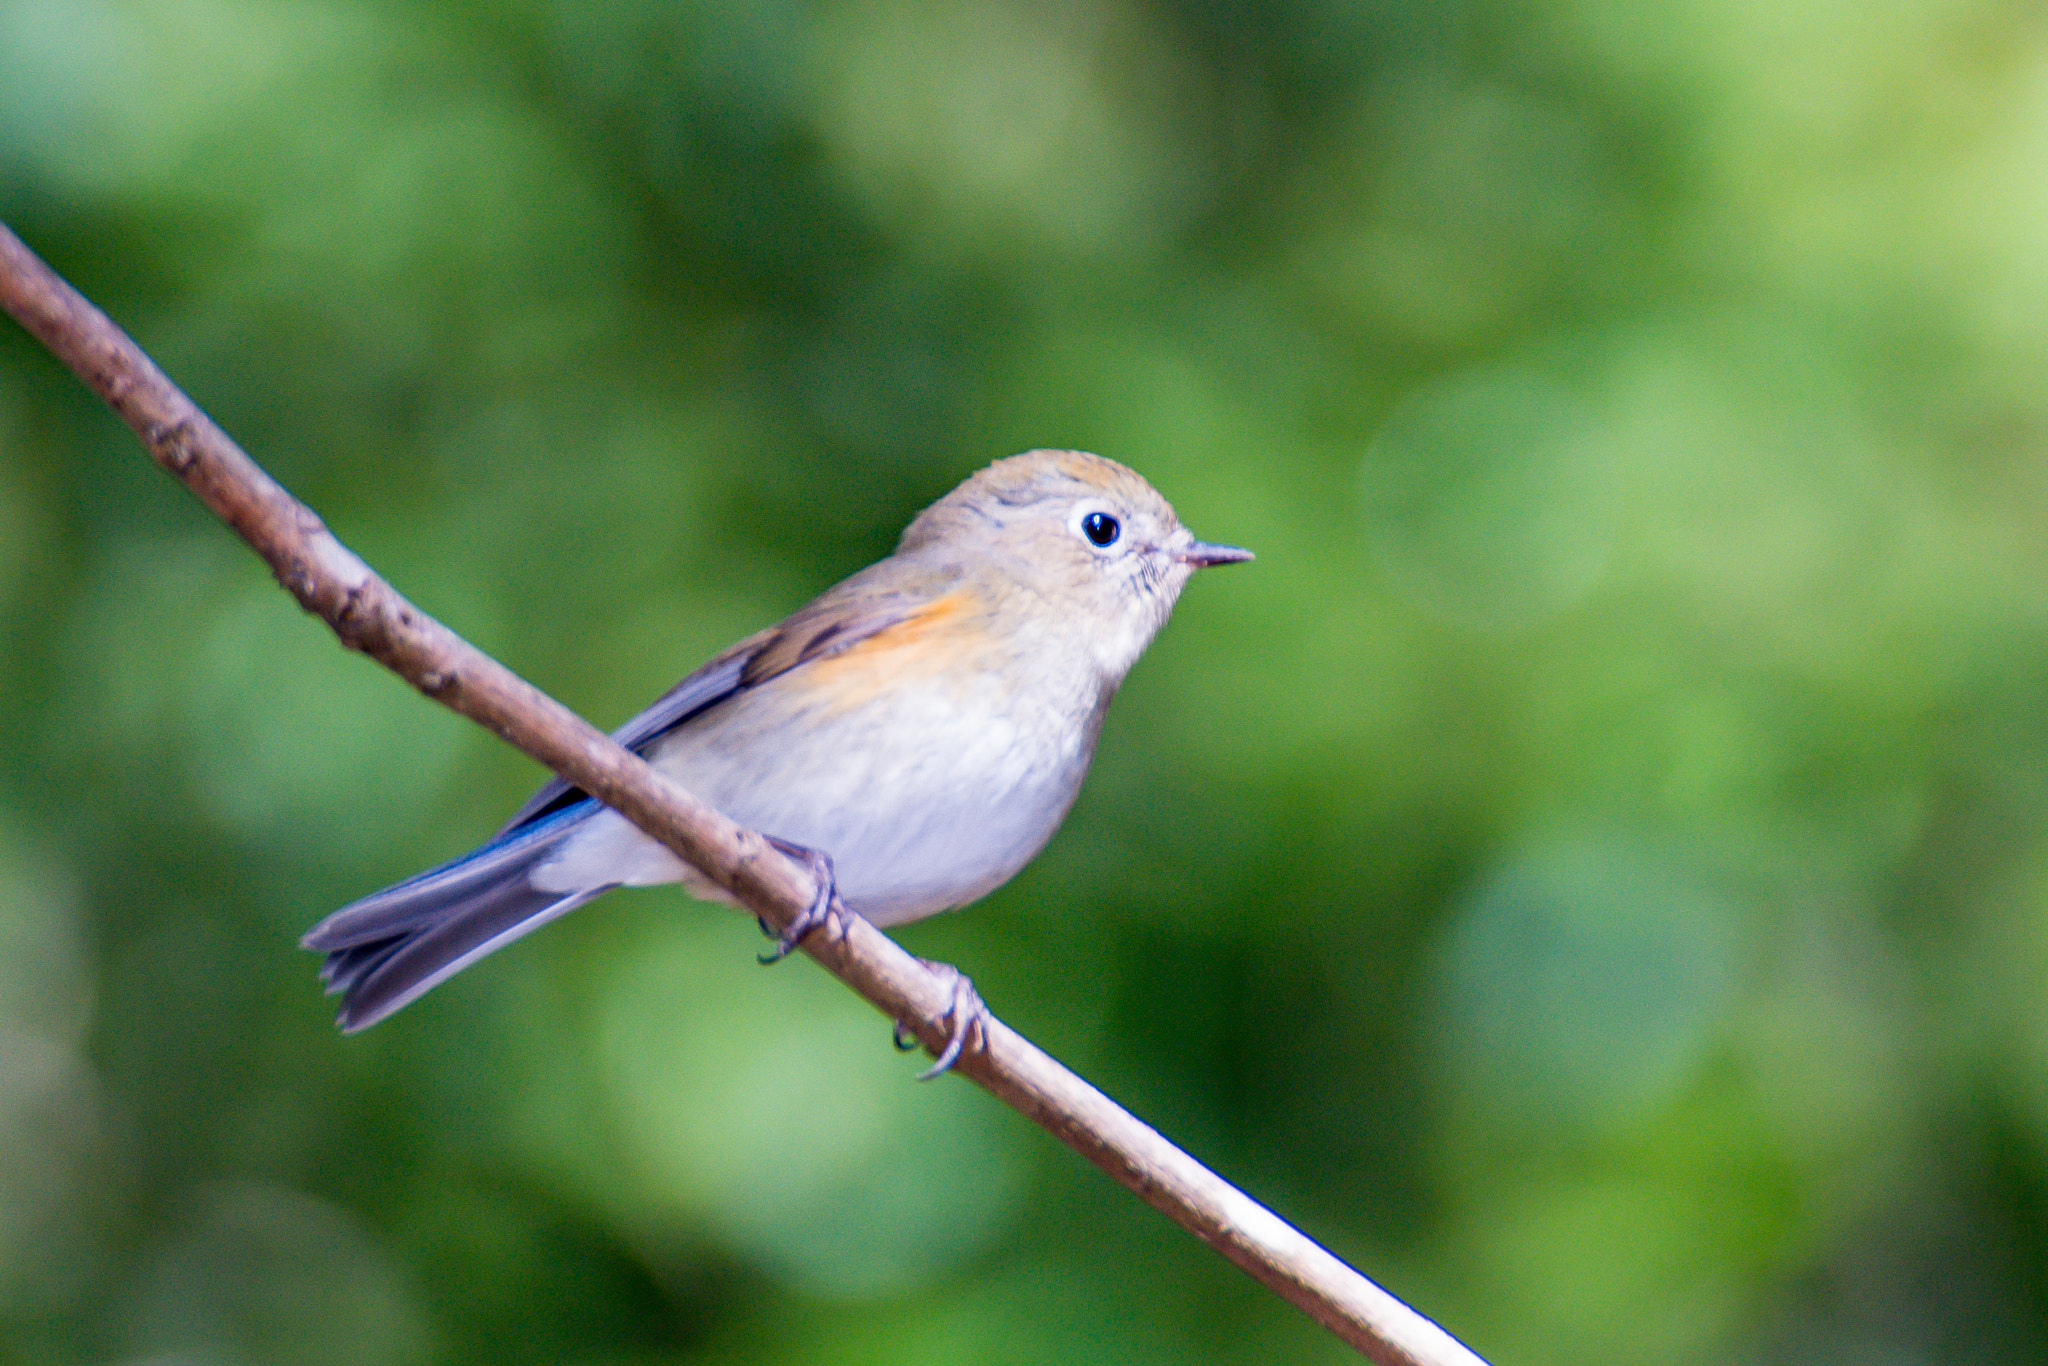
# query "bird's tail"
(393, 946)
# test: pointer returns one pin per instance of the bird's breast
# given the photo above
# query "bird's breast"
(931, 761)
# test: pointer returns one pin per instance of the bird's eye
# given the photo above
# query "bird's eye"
(1101, 528)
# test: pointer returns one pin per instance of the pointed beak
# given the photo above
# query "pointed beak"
(1202, 555)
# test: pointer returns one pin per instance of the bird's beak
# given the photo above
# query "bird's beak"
(1201, 554)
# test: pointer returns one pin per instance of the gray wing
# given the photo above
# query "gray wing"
(707, 687)
(825, 627)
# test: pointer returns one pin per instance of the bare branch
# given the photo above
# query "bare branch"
(370, 616)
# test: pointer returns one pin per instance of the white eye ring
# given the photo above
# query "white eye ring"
(1100, 529)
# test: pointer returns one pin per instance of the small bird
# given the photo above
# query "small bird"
(916, 733)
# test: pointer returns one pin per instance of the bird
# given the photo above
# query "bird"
(916, 733)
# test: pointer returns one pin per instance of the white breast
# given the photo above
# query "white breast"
(926, 797)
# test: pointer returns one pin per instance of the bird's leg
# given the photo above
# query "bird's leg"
(967, 1013)
(817, 913)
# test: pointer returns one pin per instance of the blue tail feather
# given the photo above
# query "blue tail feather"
(391, 947)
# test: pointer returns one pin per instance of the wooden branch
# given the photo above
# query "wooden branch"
(370, 616)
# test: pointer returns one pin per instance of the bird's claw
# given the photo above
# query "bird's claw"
(817, 913)
(965, 1010)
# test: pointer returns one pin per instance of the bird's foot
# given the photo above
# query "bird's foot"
(966, 1011)
(822, 906)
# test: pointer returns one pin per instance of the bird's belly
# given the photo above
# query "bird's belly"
(925, 800)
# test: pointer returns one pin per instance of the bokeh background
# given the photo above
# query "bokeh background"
(1591, 872)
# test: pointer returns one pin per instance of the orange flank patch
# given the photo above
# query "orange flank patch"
(938, 637)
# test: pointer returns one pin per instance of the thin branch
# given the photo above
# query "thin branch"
(370, 616)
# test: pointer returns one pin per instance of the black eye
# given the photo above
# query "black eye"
(1101, 528)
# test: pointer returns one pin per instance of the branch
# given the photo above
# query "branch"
(370, 616)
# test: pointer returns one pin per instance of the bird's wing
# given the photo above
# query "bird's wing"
(840, 618)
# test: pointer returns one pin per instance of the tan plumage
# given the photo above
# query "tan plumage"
(925, 724)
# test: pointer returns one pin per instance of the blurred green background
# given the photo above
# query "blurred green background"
(1591, 872)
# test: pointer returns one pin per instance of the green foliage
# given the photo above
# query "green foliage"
(1592, 871)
